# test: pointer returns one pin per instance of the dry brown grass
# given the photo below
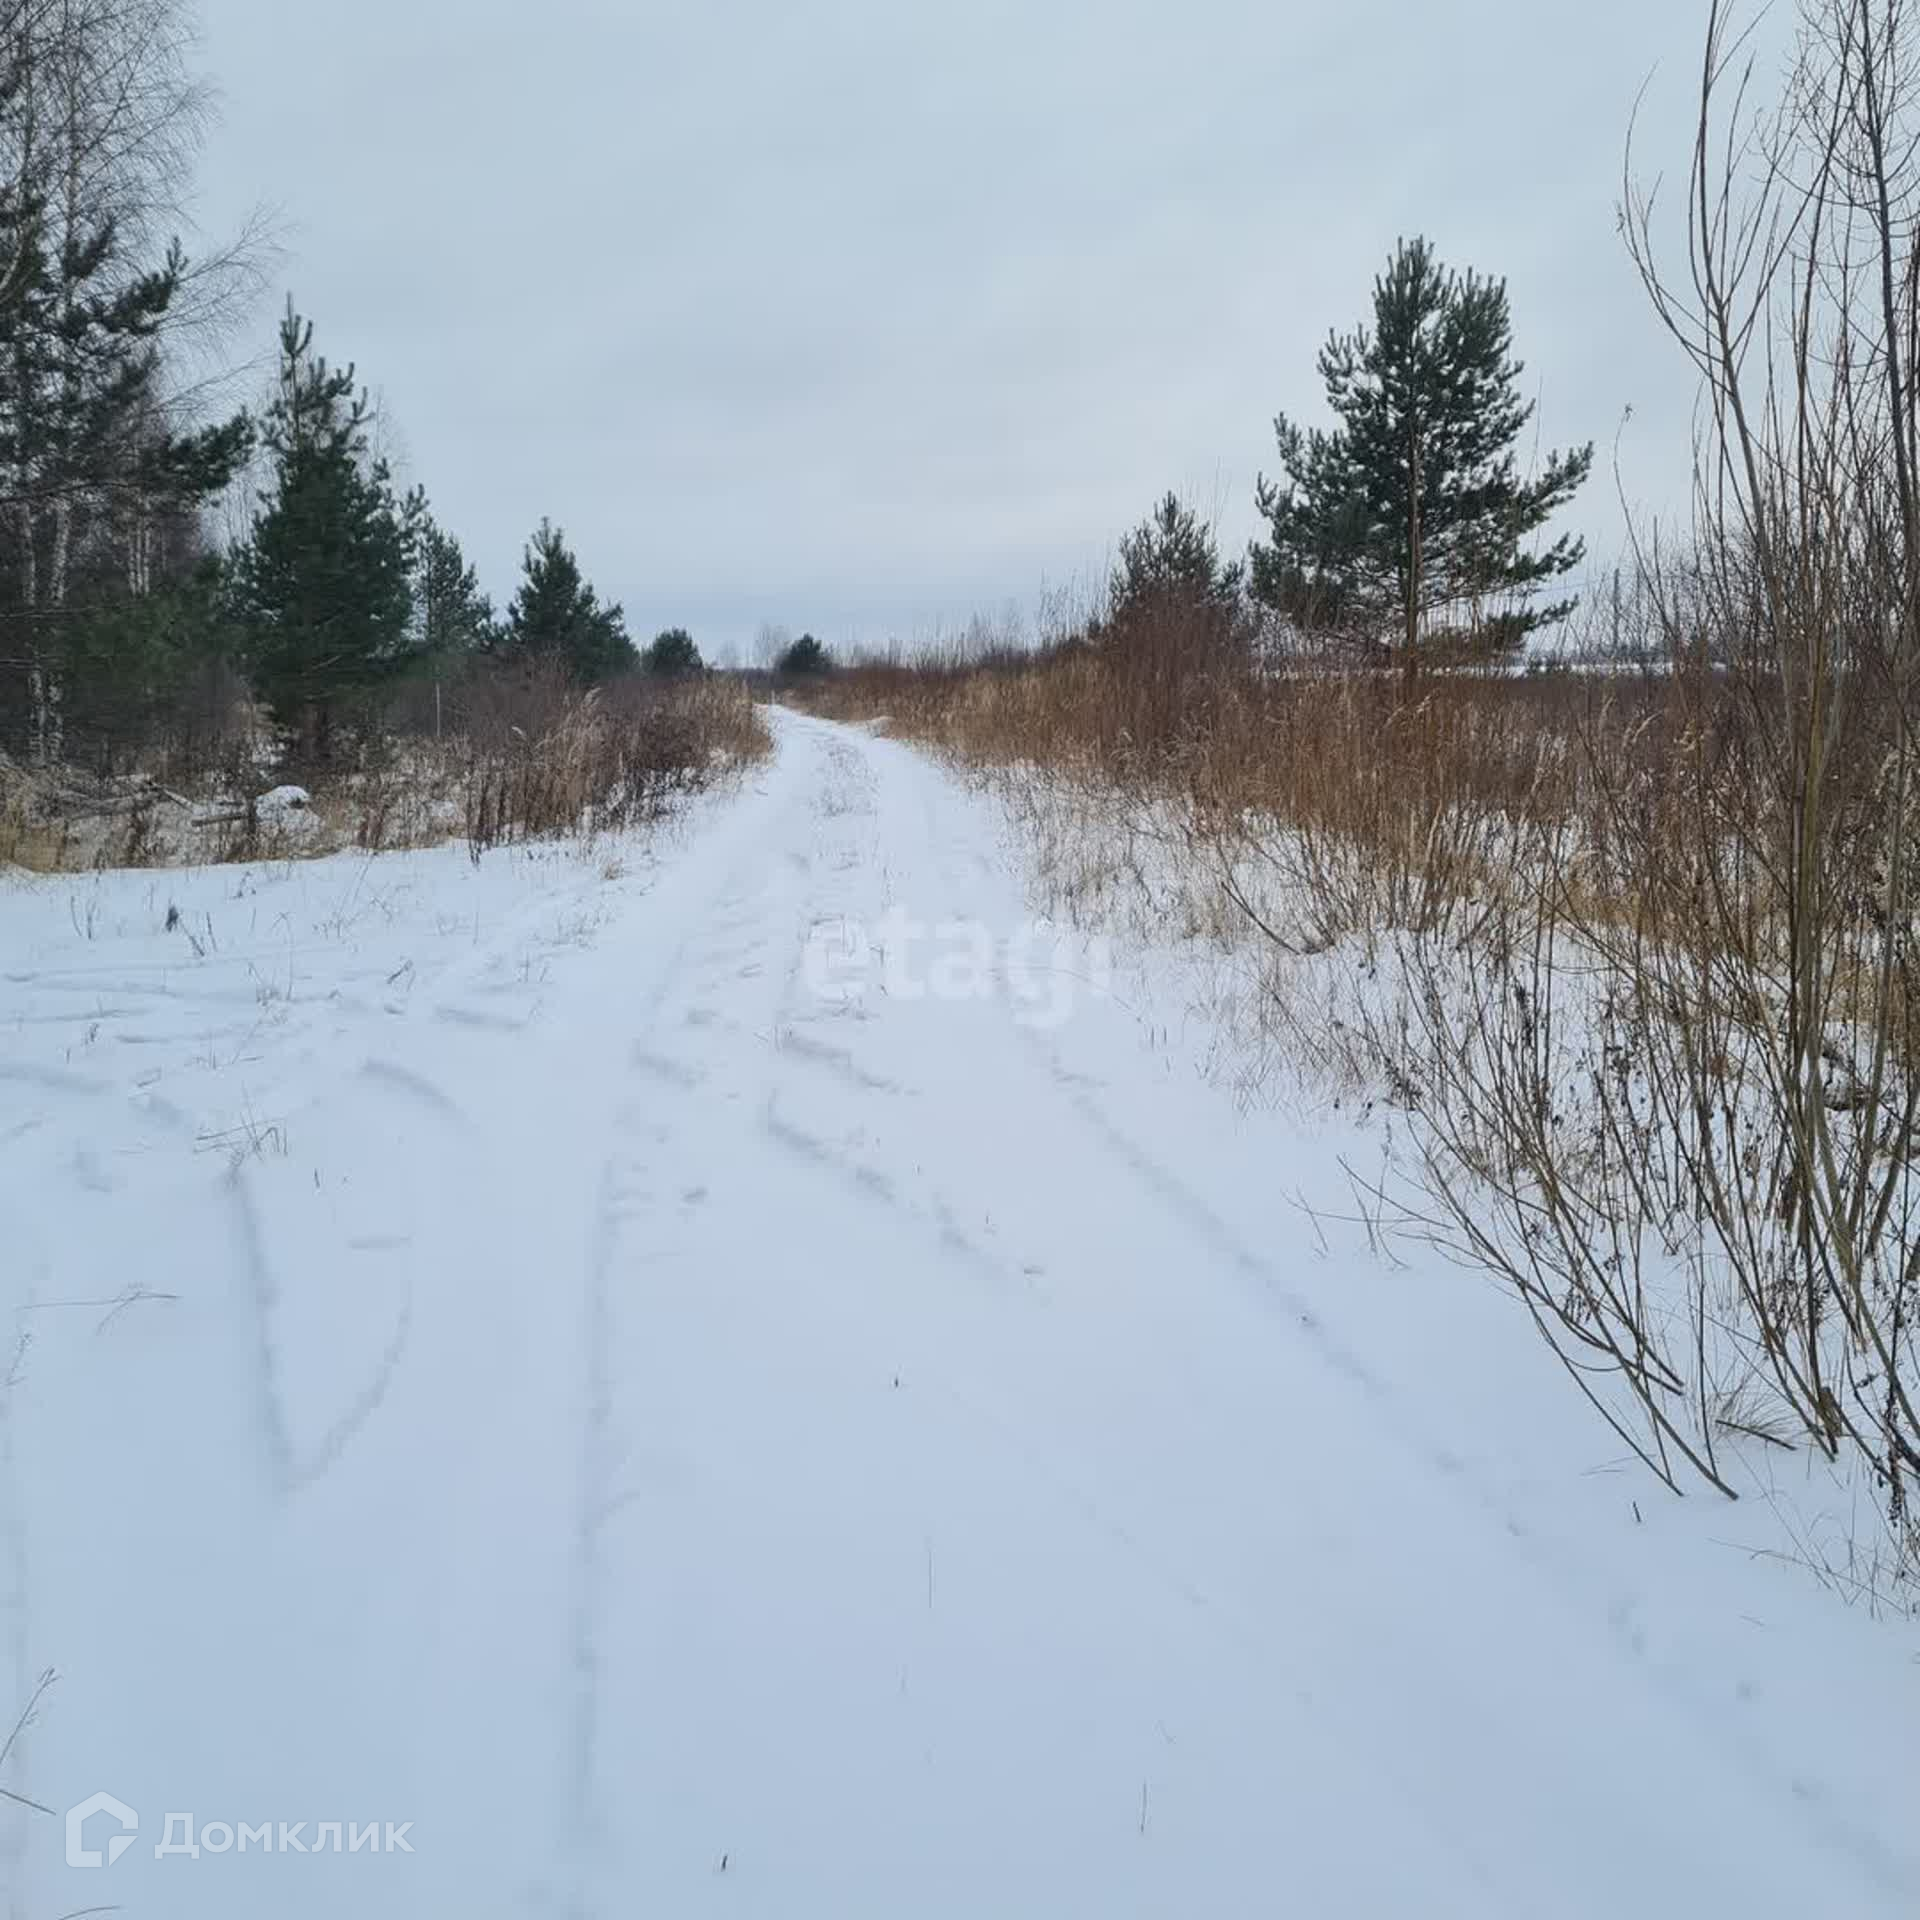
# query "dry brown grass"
(1377, 804)
(516, 756)
(539, 759)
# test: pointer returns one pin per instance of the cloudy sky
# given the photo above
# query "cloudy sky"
(866, 315)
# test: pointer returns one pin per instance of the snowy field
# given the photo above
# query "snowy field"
(736, 1375)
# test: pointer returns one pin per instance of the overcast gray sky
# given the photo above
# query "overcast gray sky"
(864, 315)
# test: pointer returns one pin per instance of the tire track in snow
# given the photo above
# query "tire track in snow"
(291, 1470)
(626, 1195)
(16, 1596)
(595, 1502)
(709, 974)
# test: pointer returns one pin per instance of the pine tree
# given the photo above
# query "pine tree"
(805, 656)
(1170, 557)
(1411, 518)
(673, 653)
(452, 617)
(556, 615)
(323, 589)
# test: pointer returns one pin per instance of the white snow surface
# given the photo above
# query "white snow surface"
(496, 1348)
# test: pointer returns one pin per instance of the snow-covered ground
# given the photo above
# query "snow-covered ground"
(739, 1376)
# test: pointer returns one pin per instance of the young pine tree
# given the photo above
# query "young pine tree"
(672, 653)
(1170, 557)
(323, 590)
(556, 615)
(805, 656)
(1411, 518)
(452, 617)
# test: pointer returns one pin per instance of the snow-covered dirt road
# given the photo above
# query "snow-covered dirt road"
(759, 1383)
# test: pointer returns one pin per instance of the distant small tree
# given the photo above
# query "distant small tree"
(1170, 557)
(323, 589)
(557, 615)
(673, 653)
(1412, 516)
(805, 656)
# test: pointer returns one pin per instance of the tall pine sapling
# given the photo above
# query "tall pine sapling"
(557, 615)
(324, 588)
(1410, 522)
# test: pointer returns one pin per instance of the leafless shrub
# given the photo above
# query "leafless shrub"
(1673, 1091)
